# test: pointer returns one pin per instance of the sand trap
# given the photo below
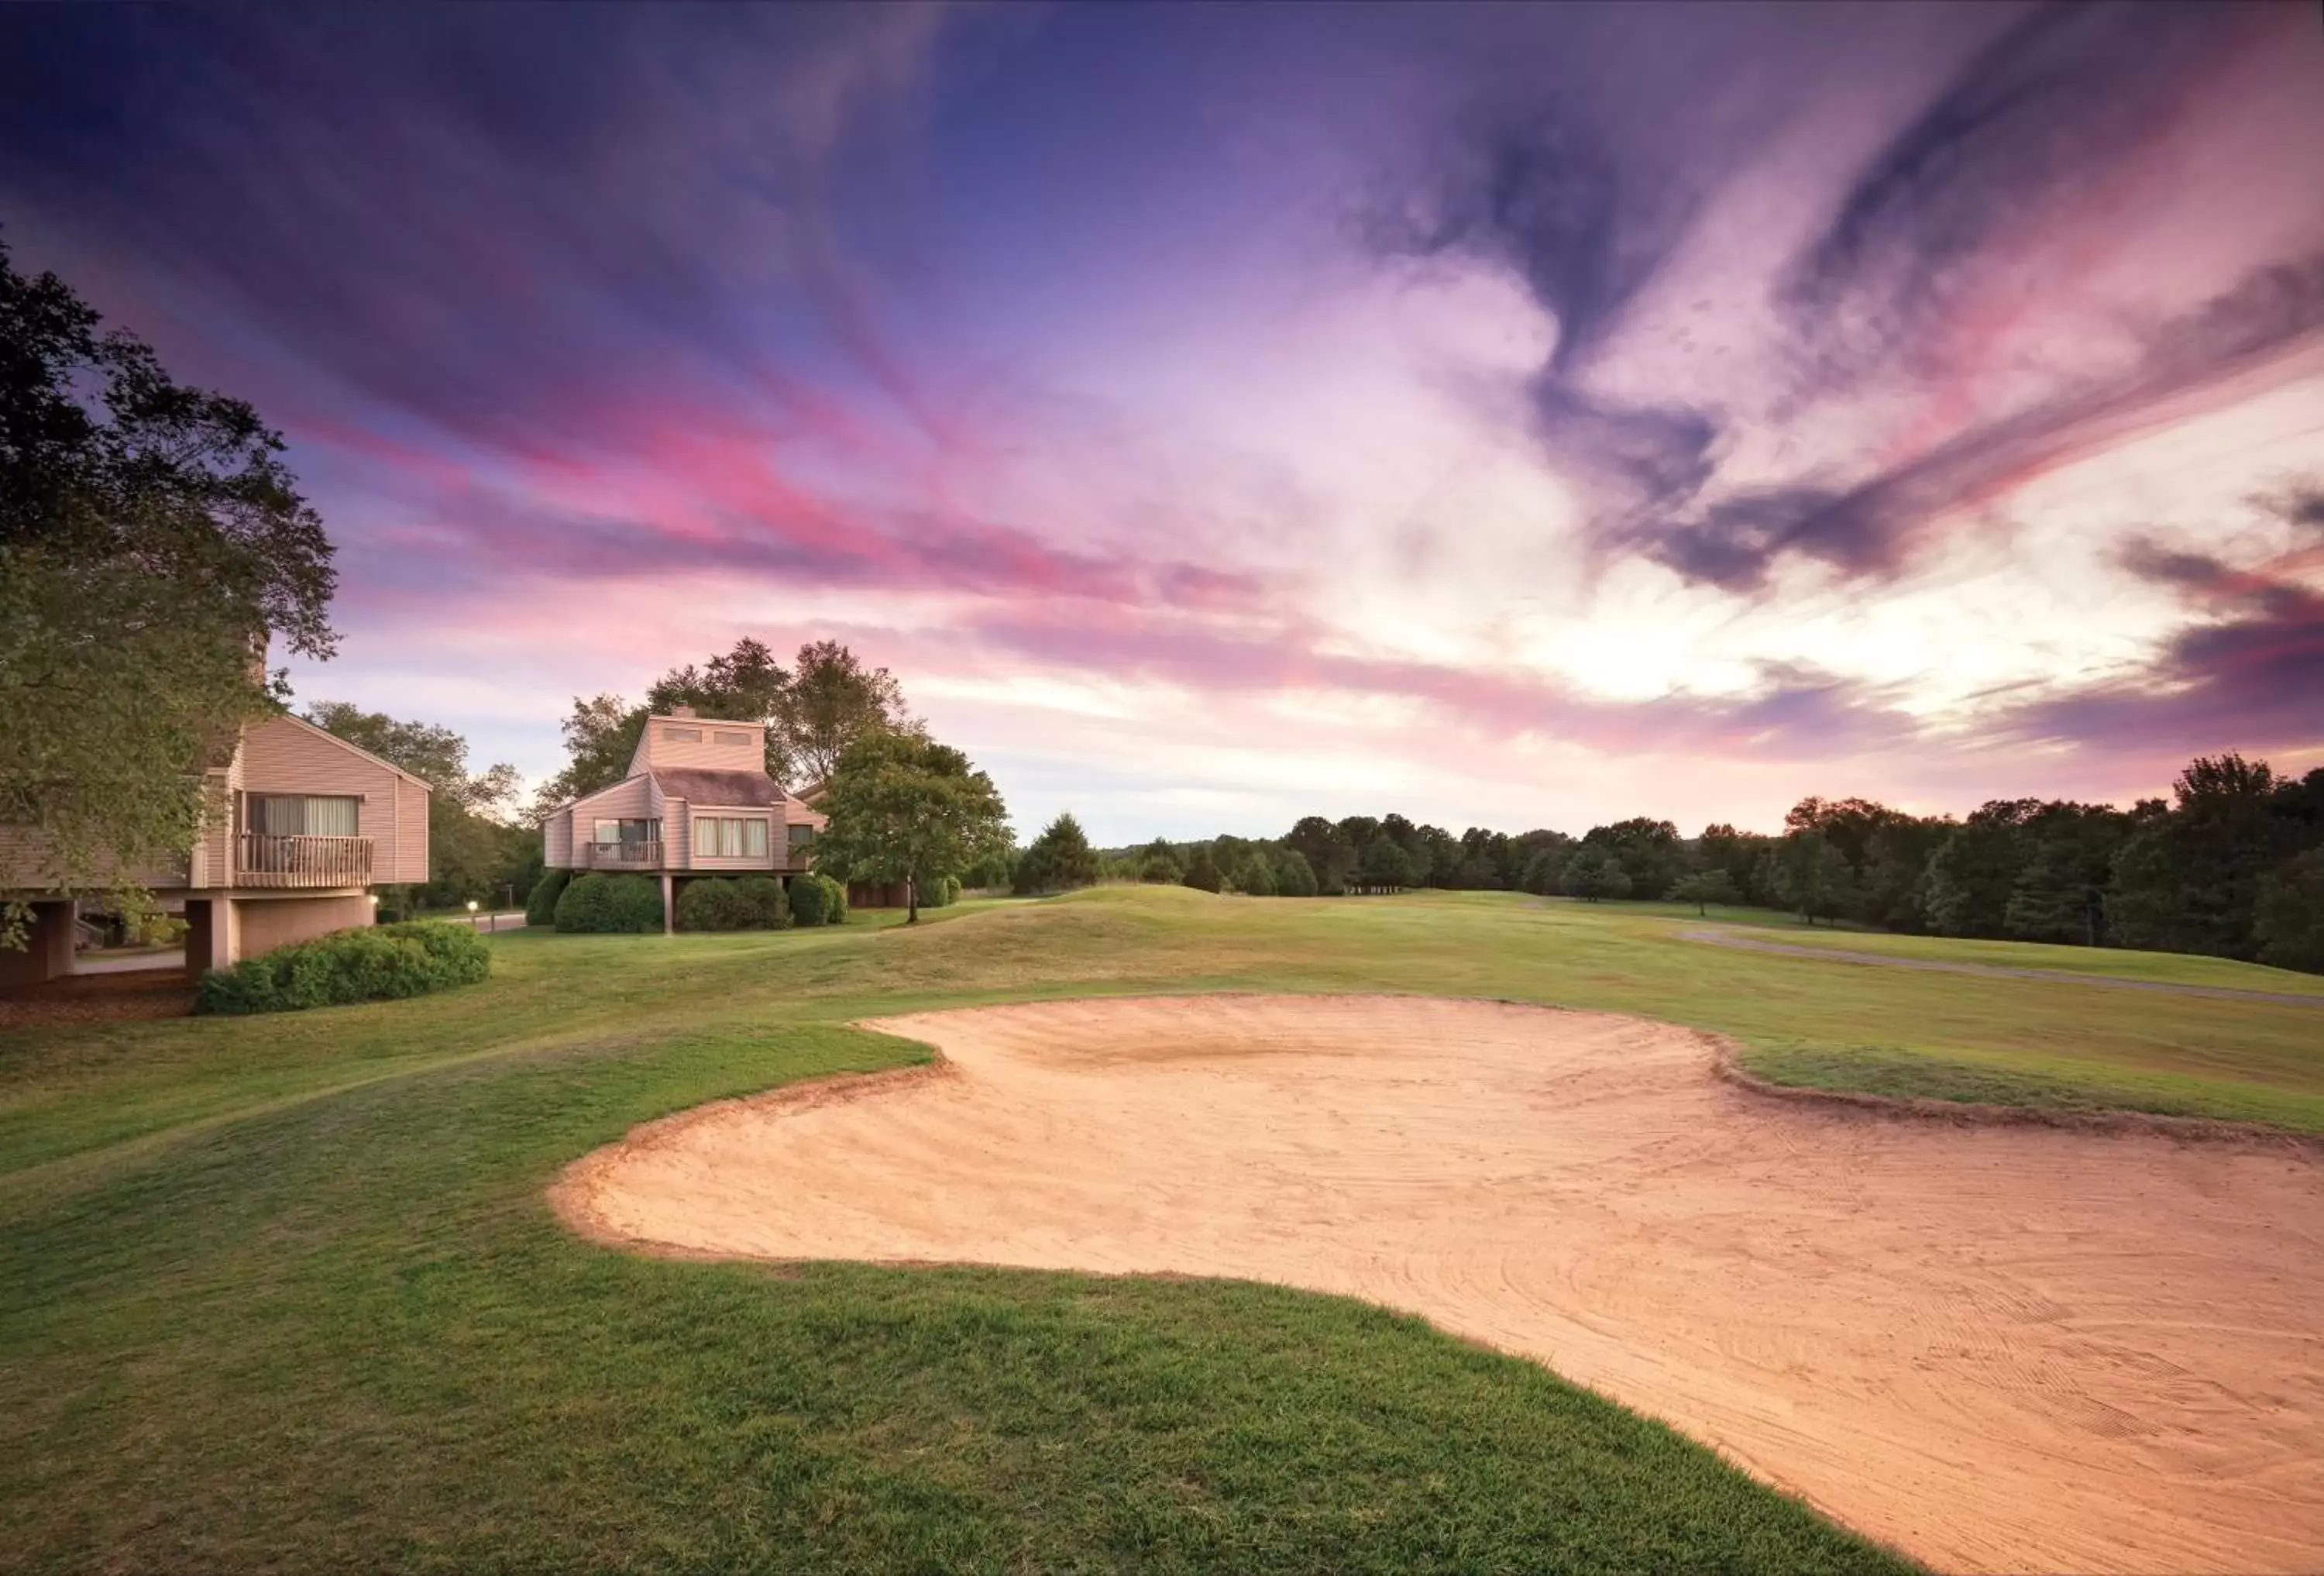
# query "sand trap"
(1998, 1349)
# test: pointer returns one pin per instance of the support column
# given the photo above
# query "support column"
(48, 952)
(213, 934)
(669, 905)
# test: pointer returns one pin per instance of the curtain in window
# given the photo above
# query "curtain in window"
(303, 815)
(754, 839)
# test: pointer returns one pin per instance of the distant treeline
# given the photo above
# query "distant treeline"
(2231, 865)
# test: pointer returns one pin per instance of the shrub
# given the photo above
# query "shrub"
(834, 899)
(540, 908)
(807, 899)
(942, 893)
(605, 905)
(368, 963)
(712, 903)
(762, 901)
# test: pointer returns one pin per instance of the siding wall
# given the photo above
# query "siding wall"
(557, 841)
(677, 833)
(628, 800)
(284, 756)
(267, 923)
(659, 748)
(768, 861)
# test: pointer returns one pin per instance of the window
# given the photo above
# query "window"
(302, 815)
(730, 838)
(682, 735)
(724, 737)
(800, 836)
(639, 831)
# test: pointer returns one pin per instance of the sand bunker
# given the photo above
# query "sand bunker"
(1998, 1349)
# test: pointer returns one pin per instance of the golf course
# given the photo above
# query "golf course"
(296, 1292)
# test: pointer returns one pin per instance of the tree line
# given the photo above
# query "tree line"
(2230, 865)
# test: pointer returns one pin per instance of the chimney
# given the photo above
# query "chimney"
(681, 711)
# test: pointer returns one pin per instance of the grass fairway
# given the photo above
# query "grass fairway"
(283, 1292)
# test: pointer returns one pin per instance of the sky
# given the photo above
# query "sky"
(1509, 416)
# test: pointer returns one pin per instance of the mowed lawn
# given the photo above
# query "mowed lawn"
(283, 1293)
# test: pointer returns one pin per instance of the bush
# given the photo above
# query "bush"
(762, 901)
(602, 905)
(721, 903)
(540, 908)
(807, 899)
(368, 963)
(834, 899)
(710, 904)
(942, 893)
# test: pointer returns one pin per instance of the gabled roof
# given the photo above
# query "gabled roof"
(413, 778)
(698, 785)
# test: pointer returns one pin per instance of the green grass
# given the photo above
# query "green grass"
(283, 1293)
(2113, 963)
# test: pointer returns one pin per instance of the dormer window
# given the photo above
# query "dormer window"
(681, 735)
(728, 736)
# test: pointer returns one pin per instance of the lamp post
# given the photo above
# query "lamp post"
(372, 899)
(472, 913)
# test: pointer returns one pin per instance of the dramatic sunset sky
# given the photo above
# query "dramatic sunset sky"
(1513, 415)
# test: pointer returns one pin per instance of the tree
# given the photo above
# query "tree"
(2188, 880)
(905, 809)
(1649, 852)
(1704, 887)
(1158, 864)
(151, 537)
(1972, 871)
(473, 851)
(1257, 876)
(1593, 872)
(2288, 921)
(1385, 867)
(1202, 870)
(744, 684)
(1811, 874)
(437, 754)
(1293, 876)
(1059, 859)
(1330, 857)
(832, 704)
(601, 735)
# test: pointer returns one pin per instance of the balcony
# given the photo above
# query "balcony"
(262, 859)
(634, 855)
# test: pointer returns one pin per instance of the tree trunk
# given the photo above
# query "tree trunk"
(911, 901)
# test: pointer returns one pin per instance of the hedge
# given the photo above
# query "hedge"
(540, 908)
(606, 905)
(942, 893)
(817, 900)
(762, 899)
(368, 963)
(717, 903)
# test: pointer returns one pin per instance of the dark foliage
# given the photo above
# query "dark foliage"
(369, 963)
(598, 904)
(540, 905)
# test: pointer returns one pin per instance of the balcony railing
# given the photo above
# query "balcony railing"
(262, 859)
(621, 855)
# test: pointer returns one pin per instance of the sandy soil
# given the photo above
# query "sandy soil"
(1997, 1350)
